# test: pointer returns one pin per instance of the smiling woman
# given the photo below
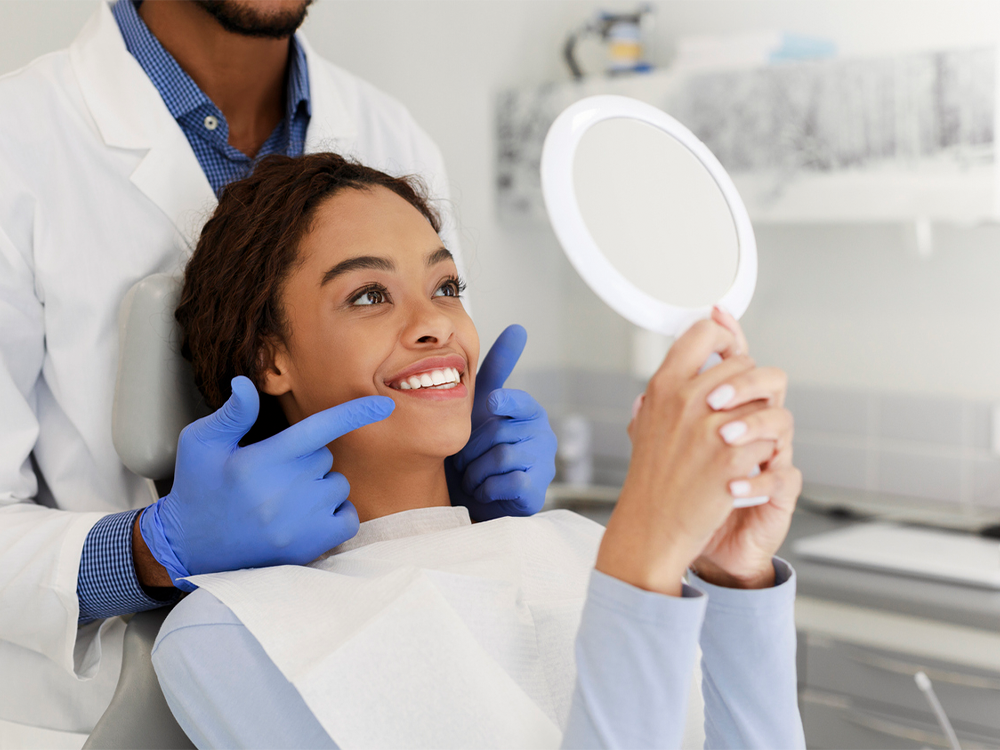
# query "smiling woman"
(324, 281)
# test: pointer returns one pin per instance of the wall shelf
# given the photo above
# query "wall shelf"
(903, 138)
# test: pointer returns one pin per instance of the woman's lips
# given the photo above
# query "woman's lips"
(436, 394)
(438, 378)
(429, 373)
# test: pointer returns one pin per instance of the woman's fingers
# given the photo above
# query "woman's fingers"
(690, 351)
(663, 394)
(771, 423)
(758, 384)
(726, 320)
(781, 459)
(782, 486)
(745, 460)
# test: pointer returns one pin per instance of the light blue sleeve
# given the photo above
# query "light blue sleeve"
(222, 688)
(636, 649)
(748, 665)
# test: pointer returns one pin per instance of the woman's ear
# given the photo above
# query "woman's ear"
(275, 372)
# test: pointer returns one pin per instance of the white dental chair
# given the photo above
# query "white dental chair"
(155, 398)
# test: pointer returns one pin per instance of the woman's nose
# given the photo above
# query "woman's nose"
(429, 324)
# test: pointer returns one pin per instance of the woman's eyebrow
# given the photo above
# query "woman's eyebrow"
(361, 263)
(439, 256)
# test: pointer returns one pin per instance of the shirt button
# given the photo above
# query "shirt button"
(211, 122)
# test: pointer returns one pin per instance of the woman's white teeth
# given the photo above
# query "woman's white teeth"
(444, 379)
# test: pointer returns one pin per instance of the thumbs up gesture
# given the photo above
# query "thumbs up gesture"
(275, 502)
(510, 458)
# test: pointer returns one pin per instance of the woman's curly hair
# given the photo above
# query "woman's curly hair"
(230, 308)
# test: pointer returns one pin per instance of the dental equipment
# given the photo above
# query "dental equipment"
(924, 683)
(622, 32)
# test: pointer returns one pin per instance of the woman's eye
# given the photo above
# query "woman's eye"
(450, 288)
(370, 297)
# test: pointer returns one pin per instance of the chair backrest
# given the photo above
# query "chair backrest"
(138, 717)
(155, 398)
(155, 395)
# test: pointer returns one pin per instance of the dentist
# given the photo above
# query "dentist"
(112, 155)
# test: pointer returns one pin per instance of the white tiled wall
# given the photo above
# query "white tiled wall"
(909, 445)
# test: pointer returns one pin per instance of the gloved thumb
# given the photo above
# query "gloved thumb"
(234, 418)
(497, 367)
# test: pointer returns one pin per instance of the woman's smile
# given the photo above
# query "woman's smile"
(432, 378)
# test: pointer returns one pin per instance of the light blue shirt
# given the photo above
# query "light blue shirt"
(635, 651)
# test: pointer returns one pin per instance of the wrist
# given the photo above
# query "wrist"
(752, 577)
(148, 571)
(648, 564)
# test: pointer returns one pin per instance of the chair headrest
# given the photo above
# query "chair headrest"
(155, 395)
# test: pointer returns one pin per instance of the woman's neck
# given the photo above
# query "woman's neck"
(380, 487)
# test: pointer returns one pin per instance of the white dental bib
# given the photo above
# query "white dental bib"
(426, 630)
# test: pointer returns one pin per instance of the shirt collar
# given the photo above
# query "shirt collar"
(298, 82)
(179, 91)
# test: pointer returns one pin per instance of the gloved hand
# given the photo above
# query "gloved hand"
(510, 458)
(275, 502)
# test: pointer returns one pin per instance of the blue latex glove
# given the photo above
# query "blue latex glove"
(275, 502)
(510, 458)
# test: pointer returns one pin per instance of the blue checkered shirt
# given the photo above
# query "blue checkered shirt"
(107, 585)
(202, 122)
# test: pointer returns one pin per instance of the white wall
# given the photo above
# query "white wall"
(29, 28)
(853, 305)
(846, 306)
(850, 306)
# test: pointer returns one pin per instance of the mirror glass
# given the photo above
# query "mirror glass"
(655, 212)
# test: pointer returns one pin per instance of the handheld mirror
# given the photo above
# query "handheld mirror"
(647, 216)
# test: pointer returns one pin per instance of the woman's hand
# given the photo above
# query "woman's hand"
(739, 553)
(677, 492)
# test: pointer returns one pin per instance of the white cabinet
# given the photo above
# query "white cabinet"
(856, 686)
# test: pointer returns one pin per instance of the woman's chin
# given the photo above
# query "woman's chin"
(436, 434)
(449, 445)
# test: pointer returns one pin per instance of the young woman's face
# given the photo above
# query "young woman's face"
(372, 308)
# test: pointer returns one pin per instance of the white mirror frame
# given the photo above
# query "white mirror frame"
(608, 283)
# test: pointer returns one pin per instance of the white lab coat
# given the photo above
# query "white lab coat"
(99, 188)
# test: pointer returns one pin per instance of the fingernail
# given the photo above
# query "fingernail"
(637, 404)
(739, 488)
(721, 396)
(733, 431)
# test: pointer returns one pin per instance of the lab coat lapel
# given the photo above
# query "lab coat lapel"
(172, 178)
(130, 114)
(332, 125)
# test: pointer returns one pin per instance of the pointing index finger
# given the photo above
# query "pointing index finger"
(321, 428)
